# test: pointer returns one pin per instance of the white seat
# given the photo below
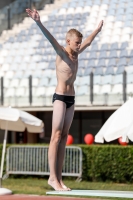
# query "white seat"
(5, 67)
(86, 9)
(16, 45)
(85, 80)
(129, 78)
(95, 7)
(27, 73)
(103, 7)
(83, 90)
(70, 11)
(118, 79)
(62, 11)
(9, 74)
(6, 82)
(115, 97)
(32, 66)
(117, 89)
(27, 59)
(82, 95)
(53, 81)
(40, 92)
(14, 83)
(21, 52)
(102, 14)
(77, 81)
(8, 45)
(18, 74)
(36, 37)
(47, 73)
(117, 31)
(129, 89)
(43, 65)
(126, 30)
(39, 98)
(96, 89)
(24, 82)
(10, 92)
(18, 59)
(125, 38)
(78, 9)
(23, 45)
(118, 24)
(35, 81)
(44, 81)
(50, 91)
(107, 79)
(9, 60)
(115, 38)
(37, 73)
(4, 52)
(30, 51)
(105, 89)
(97, 79)
(2, 74)
(20, 91)
(22, 66)
(33, 44)
(36, 58)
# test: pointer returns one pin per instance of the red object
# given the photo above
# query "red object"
(89, 138)
(69, 139)
(122, 143)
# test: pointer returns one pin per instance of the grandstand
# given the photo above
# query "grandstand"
(105, 75)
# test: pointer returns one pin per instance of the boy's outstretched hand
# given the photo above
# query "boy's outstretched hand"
(33, 14)
(100, 25)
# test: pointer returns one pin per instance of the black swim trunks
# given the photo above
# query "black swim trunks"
(68, 100)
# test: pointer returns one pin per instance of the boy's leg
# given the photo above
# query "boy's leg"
(61, 149)
(59, 110)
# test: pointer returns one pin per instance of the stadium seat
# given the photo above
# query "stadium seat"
(39, 97)
(97, 80)
(14, 83)
(82, 95)
(122, 62)
(5, 67)
(116, 95)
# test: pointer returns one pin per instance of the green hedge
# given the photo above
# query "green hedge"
(106, 163)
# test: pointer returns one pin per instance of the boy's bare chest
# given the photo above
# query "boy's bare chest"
(69, 66)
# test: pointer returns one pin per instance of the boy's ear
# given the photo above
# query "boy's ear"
(68, 41)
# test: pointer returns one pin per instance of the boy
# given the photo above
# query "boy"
(63, 99)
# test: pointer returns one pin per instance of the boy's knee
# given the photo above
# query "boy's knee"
(64, 134)
(56, 137)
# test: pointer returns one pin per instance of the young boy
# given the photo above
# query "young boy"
(64, 97)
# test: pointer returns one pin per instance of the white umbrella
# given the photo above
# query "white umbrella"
(16, 120)
(119, 124)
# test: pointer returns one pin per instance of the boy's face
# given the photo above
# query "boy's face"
(74, 43)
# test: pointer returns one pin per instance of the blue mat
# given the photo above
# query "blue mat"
(95, 193)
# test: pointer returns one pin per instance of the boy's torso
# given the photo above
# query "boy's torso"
(66, 70)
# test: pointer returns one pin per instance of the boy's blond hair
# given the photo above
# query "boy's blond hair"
(72, 32)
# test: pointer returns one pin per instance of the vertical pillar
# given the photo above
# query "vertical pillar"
(2, 91)
(9, 19)
(30, 89)
(91, 87)
(124, 86)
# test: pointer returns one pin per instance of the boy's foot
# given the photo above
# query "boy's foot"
(56, 185)
(64, 186)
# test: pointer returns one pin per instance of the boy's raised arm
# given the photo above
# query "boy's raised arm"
(91, 37)
(35, 16)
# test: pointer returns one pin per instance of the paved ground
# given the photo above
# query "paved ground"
(35, 197)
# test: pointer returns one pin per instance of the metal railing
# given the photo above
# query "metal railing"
(33, 160)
